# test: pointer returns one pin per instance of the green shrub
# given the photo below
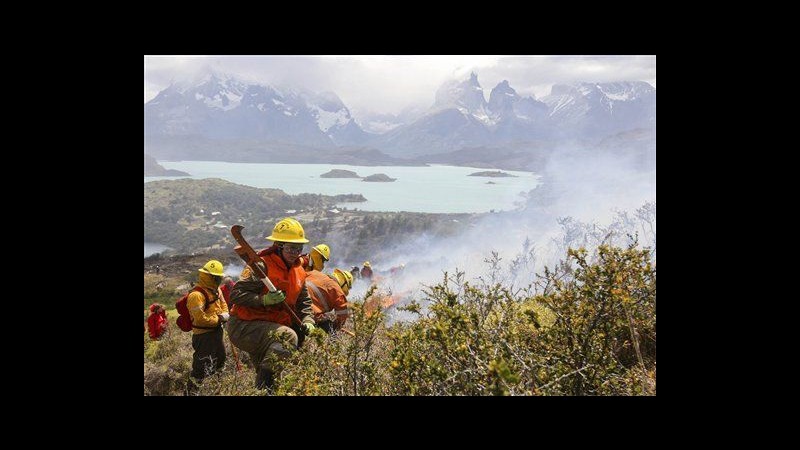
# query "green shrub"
(605, 323)
(589, 329)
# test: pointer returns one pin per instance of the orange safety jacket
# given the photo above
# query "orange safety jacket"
(326, 295)
(288, 280)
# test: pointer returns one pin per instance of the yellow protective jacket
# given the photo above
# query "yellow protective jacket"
(312, 261)
(195, 302)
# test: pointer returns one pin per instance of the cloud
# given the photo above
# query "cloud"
(387, 84)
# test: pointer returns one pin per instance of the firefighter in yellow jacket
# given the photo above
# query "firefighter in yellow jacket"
(207, 319)
(315, 259)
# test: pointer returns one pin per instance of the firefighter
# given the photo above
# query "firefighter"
(207, 320)
(329, 296)
(157, 321)
(366, 271)
(316, 258)
(261, 321)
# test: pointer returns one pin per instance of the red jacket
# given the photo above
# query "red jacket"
(157, 324)
(225, 289)
(366, 272)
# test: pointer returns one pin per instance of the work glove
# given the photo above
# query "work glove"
(224, 317)
(309, 327)
(273, 298)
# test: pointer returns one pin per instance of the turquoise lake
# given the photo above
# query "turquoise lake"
(431, 189)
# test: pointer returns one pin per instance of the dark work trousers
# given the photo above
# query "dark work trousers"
(301, 334)
(326, 325)
(209, 353)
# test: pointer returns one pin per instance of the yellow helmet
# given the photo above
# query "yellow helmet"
(213, 267)
(344, 278)
(323, 250)
(366, 264)
(288, 230)
(319, 254)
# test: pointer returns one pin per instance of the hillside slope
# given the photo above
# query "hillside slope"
(191, 214)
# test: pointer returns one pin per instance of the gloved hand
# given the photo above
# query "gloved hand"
(273, 298)
(309, 327)
(224, 317)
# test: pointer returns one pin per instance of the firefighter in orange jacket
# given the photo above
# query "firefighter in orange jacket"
(329, 296)
(260, 323)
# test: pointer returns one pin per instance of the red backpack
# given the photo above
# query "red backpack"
(185, 319)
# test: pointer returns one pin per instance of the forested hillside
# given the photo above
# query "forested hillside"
(193, 216)
(190, 215)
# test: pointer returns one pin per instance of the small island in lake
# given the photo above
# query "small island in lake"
(490, 182)
(339, 173)
(379, 177)
(490, 173)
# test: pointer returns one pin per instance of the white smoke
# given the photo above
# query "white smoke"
(584, 197)
(233, 270)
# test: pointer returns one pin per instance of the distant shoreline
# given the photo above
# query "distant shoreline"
(353, 165)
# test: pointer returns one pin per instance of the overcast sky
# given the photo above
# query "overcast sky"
(387, 84)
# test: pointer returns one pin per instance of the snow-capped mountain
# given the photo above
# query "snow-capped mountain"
(502, 100)
(516, 118)
(506, 105)
(438, 132)
(334, 119)
(465, 96)
(598, 109)
(461, 117)
(380, 123)
(223, 107)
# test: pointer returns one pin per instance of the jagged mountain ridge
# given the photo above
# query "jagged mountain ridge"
(221, 108)
(461, 118)
(599, 109)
